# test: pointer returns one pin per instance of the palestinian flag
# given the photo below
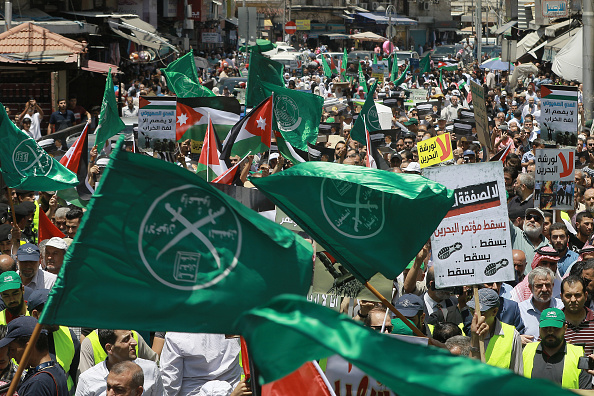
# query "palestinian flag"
(448, 66)
(369, 160)
(192, 116)
(229, 176)
(558, 92)
(209, 165)
(502, 154)
(76, 160)
(333, 67)
(252, 134)
(288, 151)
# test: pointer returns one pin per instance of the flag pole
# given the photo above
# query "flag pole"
(208, 147)
(477, 308)
(25, 359)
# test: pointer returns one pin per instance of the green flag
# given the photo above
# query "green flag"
(27, 166)
(343, 65)
(182, 78)
(262, 45)
(401, 78)
(327, 71)
(362, 81)
(110, 123)
(394, 67)
(424, 64)
(262, 69)
(296, 114)
(371, 119)
(179, 254)
(355, 212)
(374, 58)
(289, 331)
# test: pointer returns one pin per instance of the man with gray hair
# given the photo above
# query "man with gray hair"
(540, 280)
(524, 188)
(60, 219)
(458, 345)
(125, 379)
(530, 238)
(54, 252)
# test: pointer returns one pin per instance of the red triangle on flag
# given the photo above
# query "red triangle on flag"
(142, 102)
(544, 91)
(47, 229)
(260, 122)
(185, 118)
(209, 155)
(72, 157)
(304, 381)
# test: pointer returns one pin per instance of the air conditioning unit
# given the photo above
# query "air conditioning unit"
(374, 5)
(363, 5)
(426, 6)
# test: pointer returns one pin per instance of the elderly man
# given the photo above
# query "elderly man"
(524, 189)
(553, 358)
(541, 280)
(28, 257)
(55, 249)
(530, 238)
(125, 379)
(545, 257)
(450, 112)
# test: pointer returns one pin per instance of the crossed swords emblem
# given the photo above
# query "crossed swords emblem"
(193, 228)
(35, 161)
(357, 205)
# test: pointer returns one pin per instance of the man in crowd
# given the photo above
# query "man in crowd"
(12, 293)
(125, 379)
(559, 239)
(55, 249)
(411, 306)
(73, 218)
(530, 238)
(584, 222)
(80, 114)
(60, 119)
(28, 261)
(579, 318)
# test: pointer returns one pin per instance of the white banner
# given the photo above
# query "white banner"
(554, 179)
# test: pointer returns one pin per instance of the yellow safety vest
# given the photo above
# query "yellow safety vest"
(35, 223)
(64, 350)
(571, 374)
(99, 353)
(3, 317)
(499, 350)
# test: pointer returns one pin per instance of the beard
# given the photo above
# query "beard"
(16, 310)
(532, 231)
(551, 341)
(542, 298)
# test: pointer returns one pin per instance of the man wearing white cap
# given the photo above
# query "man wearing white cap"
(55, 249)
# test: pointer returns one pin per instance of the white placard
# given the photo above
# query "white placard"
(347, 379)
(554, 179)
(156, 123)
(559, 108)
(472, 243)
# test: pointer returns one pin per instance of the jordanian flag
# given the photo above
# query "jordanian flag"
(448, 66)
(209, 165)
(192, 116)
(229, 175)
(252, 134)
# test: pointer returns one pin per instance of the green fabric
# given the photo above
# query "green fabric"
(368, 115)
(374, 58)
(296, 114)
(362, 81)
(325, 66)
(262, 69)
(424, 64)
(289, 331)
(401, 328)
(175, 251)
(355, 212)
(401, 78)
(343, 65)
(394, 67)
(27, 166)
(262, 45)
(110, 123)
(182, 78)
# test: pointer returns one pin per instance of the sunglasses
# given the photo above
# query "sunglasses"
(535, 217)
(379, 328)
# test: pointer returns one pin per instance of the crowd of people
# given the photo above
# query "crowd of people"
(539, 325)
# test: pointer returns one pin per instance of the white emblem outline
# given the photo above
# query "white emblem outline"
(286, 99)
(35, 161)
(208, 284)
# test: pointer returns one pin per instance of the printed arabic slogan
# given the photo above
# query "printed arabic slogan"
(472, 243)
(435, 150)
(156, 123)
(559, 111)
(554, 179)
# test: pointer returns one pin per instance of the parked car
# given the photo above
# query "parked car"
(444, 52)
(405, 55)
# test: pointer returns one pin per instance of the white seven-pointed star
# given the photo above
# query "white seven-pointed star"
(181, 120)
(261, 123)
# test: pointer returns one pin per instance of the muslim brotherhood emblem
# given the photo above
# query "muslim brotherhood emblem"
(189, 239)
(286, 112)
(372, 119)
(30, 159)
(353, 210)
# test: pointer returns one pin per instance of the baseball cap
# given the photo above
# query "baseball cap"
(22, 326)
(57, 242)
(412, 121)
(28, 252)
(488, 298)
(552, 317)
(469, 152)
(37, 298)
(535, 210)
(10, 280)
(409, 305)
(413, 167)
(5, 230)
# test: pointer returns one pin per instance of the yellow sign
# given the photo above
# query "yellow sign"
(303, 24)
(196, 146)
(435, 150)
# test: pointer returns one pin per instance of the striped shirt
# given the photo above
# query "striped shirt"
(583, 334)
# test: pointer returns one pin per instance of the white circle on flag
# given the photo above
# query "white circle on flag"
(30, 159)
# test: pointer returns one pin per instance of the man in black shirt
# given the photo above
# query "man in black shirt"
(61, 119)
(583, 225)
(45, 377)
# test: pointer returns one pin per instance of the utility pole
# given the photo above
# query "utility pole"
(588, 58)
(479, 30)
(284, 18)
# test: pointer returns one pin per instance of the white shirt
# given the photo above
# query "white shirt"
(93, 381)
(126, 112)
(188, 361)
(531, 316)
(43, 280)
(35, 125)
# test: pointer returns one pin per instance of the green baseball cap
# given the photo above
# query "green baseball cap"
(10, 280)
(552, 317)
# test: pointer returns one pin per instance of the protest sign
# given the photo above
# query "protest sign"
(554, 179)
(435, 150)
(559, 108)
(156, 123)
(472, 243)
(326, 300)
(377, 71)
(415, 65)
(418, 95)
(480, 114)
(347, 379)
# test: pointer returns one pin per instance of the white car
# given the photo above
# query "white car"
(291, 60)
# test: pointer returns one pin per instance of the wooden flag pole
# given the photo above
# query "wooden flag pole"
(12, 214)
(25, 359)
(477, 308)
(392, 308)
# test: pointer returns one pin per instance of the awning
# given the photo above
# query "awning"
(337, 36)
(52, 56)
(267, 23)
(100, 67)
(505, 27)
(368, 36)
(138, 31)
(527, 43)
(551, 31)
(347, 17)
(233, 20)
(219, 3)
(553, 46)
(383, 20)
(532, 52)
(569, 62)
